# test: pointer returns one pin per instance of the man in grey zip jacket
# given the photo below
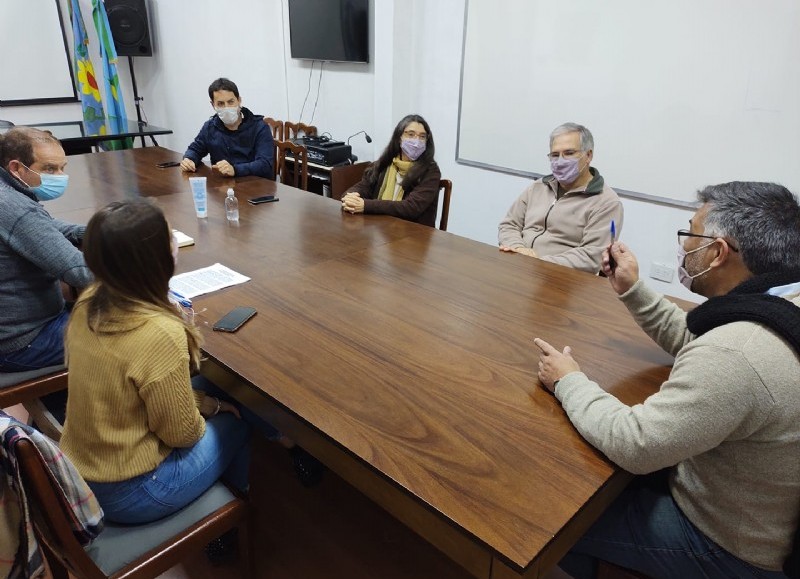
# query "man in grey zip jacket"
(565, 217)
(37, 253)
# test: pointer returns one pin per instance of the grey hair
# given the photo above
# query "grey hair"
(762, 219)
(587, 140)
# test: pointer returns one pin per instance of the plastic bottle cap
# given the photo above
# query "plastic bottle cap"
(230, 192)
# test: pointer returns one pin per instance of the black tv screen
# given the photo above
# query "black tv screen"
(329, 30)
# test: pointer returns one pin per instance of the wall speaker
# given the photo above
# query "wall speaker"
(129, 27)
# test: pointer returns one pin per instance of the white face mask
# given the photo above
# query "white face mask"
(228, 115)
(683, 276)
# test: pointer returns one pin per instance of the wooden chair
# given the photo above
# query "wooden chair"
(344, 177)
(447, 189)
(295, 173)
(27, 388)
(128, 551)
(294, 130)
(276, 127)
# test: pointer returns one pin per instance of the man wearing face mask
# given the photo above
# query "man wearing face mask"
(726, 423)
(238, 141)
(37, 252)
(564, 217)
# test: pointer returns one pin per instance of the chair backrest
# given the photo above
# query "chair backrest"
(295, 172)
(447, 189)
(294, 130)
(344, 177)
(50, 515)
(276, 127)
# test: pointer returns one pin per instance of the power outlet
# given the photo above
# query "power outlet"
(662, 272)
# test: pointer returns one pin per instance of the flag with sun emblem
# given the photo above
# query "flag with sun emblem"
(93, 116)
(115, 106)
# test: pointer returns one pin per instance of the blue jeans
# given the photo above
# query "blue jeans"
(644, 530)
(254, 420)
(46, 349)
(186, 473)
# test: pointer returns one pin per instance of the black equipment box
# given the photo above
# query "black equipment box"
(323, 151)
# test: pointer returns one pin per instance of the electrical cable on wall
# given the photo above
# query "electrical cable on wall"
(308, 92)
(319, 82)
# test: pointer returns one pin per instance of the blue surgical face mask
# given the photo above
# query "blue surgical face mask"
(52, 186)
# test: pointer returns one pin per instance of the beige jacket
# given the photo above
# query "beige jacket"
(572, 230)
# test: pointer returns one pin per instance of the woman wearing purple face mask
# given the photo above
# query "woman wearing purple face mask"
(404, 181)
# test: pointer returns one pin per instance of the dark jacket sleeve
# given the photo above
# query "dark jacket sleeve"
(199, 147)
(414, 202)
(264, 155)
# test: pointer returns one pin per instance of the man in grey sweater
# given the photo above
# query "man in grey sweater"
(37, 252)
(726, 423)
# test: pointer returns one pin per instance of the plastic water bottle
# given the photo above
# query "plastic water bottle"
(232, 207)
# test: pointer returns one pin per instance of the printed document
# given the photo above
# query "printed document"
(206, 280)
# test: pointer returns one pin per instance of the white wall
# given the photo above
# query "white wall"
(415, 67)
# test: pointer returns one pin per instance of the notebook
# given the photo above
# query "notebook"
(182, 239)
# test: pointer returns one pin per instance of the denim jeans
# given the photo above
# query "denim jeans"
(186, 473)
(254, 420)
(644, 530)
(46, 349)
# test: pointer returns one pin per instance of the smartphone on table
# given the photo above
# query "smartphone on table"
(234, 319)
(263, 199)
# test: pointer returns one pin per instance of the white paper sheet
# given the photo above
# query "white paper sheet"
(205, 280)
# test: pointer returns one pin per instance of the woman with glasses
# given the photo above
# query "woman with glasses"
(144, 435)
(404, 181)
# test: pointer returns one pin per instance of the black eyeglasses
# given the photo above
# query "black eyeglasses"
(687, 233)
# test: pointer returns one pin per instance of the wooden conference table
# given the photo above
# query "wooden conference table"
(402, 357)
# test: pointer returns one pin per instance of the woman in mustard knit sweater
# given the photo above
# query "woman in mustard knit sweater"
(146, 442)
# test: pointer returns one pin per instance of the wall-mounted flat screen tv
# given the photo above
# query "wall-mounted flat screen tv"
(336, 30)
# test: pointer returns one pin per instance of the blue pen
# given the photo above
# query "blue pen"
(611, 263)
(185, 302)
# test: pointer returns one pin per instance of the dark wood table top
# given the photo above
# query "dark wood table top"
(408, 349)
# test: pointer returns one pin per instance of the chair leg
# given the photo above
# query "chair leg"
(45, 421)
(246, 550)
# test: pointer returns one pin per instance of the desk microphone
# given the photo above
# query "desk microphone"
(366, 137)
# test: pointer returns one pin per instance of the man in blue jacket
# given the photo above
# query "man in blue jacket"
(238, 141)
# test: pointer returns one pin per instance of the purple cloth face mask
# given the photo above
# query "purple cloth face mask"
(412, 148)
(565, 170)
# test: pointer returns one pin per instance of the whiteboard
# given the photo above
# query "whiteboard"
(678, 94)
(35, 68)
